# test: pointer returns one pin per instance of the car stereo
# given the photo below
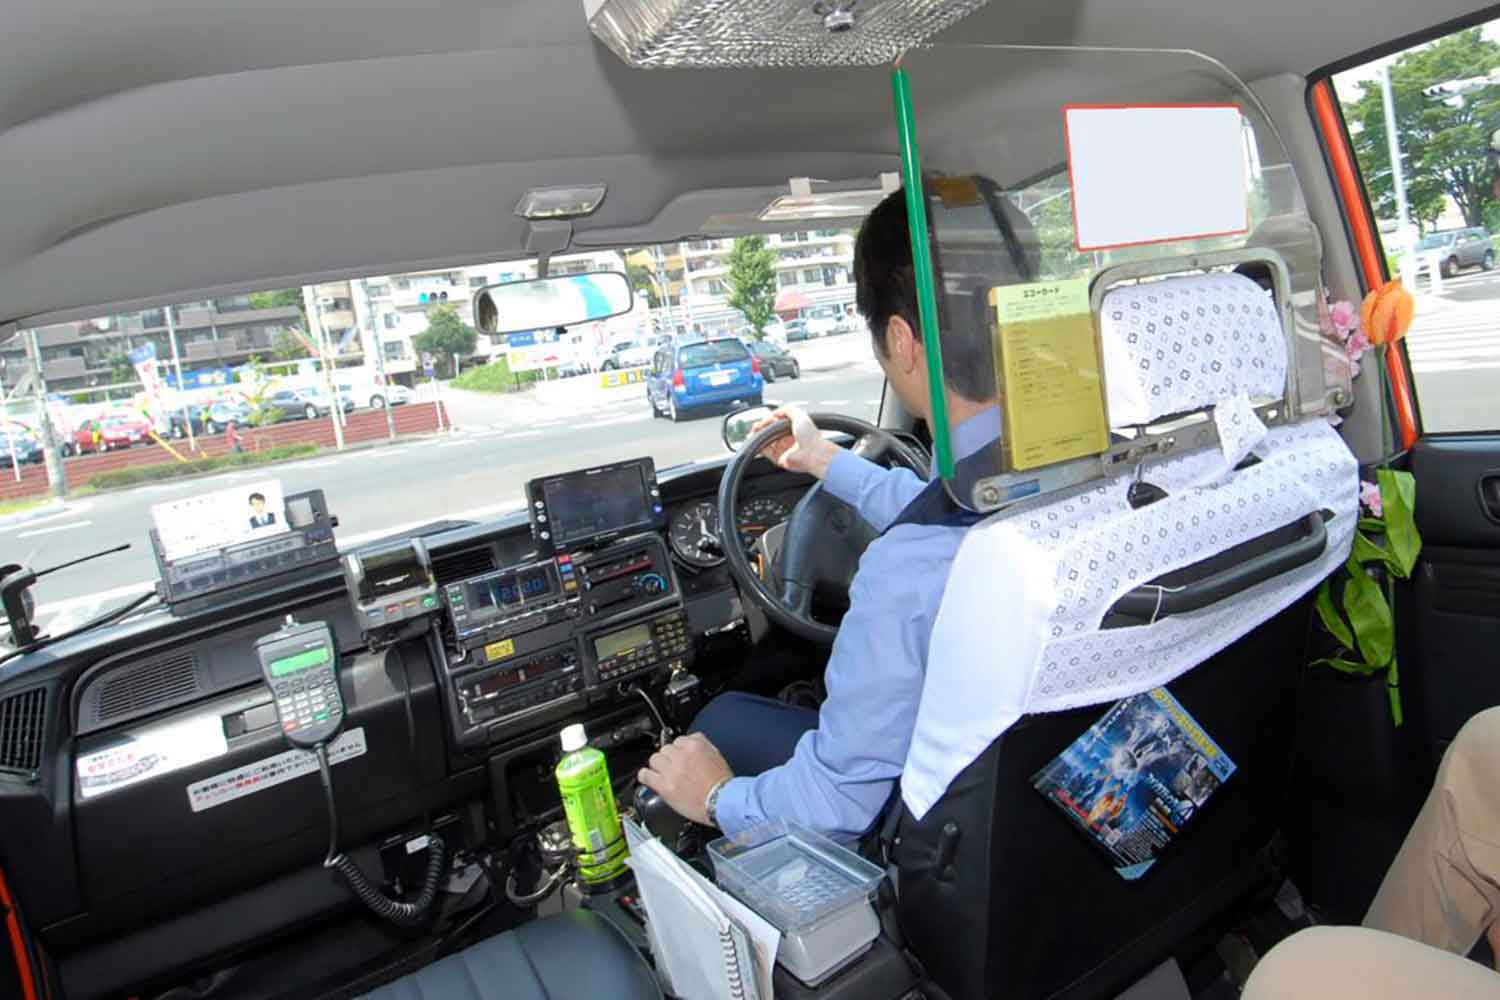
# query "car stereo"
(589, 507)
(514, 599)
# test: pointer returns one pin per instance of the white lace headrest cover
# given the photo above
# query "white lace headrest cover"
(1183, 344)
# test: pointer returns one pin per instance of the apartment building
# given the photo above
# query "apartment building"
(212, 337)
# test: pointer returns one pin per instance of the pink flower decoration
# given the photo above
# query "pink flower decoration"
(1344, 316)
(1357, 345)
(1369, 498)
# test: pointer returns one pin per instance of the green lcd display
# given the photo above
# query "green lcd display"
(292, 664)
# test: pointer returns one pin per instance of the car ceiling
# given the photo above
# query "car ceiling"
(152, 149)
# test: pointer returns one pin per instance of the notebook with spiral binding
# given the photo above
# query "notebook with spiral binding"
(700, 948)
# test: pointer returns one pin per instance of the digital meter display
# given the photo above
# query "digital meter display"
(300, 661)
(622, 641)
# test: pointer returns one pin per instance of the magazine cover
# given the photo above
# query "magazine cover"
(1136, 777)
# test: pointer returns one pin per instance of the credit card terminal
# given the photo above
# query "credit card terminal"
(300, 664)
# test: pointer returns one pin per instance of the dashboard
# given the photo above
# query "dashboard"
(160, 815)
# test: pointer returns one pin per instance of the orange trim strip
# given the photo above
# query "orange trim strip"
(17, 943)
(1367, 248)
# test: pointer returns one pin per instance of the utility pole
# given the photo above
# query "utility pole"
(379, 349)
(335, 404)
(49, 441)
(187, 418)
(1393, 143)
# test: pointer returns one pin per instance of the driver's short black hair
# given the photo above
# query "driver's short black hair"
(257, 496)
(885, 285)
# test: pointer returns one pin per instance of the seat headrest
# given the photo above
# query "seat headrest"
(1185, 343)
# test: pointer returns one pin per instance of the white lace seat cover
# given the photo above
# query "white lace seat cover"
(1018, 629)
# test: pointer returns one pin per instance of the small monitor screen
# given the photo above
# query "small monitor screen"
(299, 661)
(622, 641)
(597, 503)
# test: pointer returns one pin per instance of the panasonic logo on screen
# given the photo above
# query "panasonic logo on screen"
(391, 580)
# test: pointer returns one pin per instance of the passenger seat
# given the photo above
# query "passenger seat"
(577, 954)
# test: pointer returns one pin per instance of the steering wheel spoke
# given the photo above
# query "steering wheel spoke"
(820, 543)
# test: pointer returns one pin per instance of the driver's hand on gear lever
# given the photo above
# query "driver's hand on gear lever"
(683, 772)
(807, 450)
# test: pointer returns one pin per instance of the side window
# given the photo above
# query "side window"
(1434, 110)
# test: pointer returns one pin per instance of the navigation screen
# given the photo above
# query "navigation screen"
(592, 504)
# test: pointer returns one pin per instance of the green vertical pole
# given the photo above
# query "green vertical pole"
(921, 258)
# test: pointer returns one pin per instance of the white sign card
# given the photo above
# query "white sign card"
(1148, 174)
(216, 520)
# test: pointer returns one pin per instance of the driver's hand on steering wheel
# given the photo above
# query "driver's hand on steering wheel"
(806, 450)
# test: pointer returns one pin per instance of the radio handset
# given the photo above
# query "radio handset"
(300, 665)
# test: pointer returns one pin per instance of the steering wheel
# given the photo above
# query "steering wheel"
(824, 536)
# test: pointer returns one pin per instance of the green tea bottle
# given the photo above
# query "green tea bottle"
(589, 802)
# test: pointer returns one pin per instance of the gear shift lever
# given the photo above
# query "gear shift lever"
(658, 817)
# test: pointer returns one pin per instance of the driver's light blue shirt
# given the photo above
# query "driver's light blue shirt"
(843, 771)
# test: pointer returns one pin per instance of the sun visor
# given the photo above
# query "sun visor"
(1057, 182)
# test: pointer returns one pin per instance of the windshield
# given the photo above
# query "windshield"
(712, 353)
(478, 415)
(1435, 240)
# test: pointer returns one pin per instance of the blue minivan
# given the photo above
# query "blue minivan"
(702, 373)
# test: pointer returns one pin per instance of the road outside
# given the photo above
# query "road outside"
(1454, 345)
(475, 472)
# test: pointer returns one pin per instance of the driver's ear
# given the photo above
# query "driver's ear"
(901, 341)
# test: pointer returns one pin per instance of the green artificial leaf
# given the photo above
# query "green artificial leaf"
(1369, 616)
(1366, 551)
(1398, 498)
(1347, 666)
(1372, 524)
(1332, 620)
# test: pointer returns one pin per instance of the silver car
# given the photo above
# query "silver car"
(1456, 249)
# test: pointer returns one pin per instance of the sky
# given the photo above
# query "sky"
(1347, 83)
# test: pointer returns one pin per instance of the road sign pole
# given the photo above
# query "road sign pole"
(187, 418)
(379, 349)
(55, 476)
(1393, 145)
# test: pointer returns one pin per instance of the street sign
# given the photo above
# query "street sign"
(526, 339)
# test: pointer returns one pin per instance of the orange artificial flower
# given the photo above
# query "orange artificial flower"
(1386, 313)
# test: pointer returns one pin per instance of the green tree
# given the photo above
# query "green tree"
(256, 387)
(120, 368)
(289, 347)
(445, 336)
(643, 280)
(752, 281)
(279, 299)
(1443, 147)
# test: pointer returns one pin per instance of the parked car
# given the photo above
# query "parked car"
(701, 374)
(306, 403)
(1456, 249)
(631, 353)
(796, 330)
(825, 321)
(226, 413)
(108, 433)
(22, 446)
(775, 361)
(375, 394)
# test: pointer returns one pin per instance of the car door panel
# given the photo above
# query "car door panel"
(1456, 592)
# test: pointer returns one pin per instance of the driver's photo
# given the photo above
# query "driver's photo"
(259, 516)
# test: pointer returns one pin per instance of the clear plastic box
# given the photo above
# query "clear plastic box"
(793, 877)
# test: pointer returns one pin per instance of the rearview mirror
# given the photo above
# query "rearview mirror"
(544, 303)
(738, 424)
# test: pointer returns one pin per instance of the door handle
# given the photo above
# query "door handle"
(1489, 495)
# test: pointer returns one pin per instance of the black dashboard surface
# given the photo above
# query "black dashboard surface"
(90, 868)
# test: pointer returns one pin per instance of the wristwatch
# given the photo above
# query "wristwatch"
(711, 804)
